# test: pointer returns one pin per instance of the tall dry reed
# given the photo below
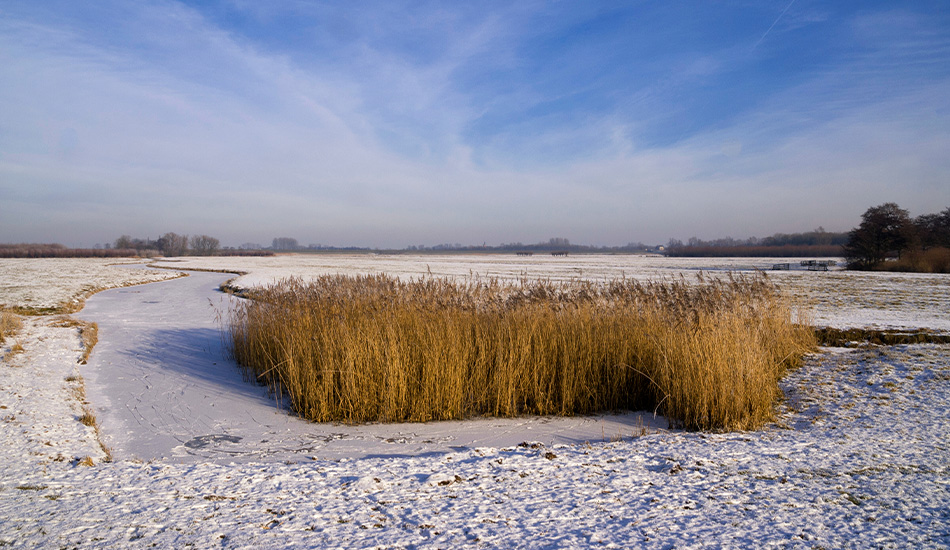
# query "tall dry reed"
(708, 354)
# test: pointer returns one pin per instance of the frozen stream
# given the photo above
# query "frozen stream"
(163, 388)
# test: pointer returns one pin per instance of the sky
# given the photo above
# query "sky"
(390, 124)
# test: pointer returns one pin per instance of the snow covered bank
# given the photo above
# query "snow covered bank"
(860, 460)
(40, 284)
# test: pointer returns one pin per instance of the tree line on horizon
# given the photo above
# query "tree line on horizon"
(887, 238)
(560, 244)
(818, 243)
(55, 250)
(169, 244)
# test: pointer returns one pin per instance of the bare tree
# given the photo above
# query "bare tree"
(285, 243)
(125, 241)
(934, 229)
(203, 245)
(173, 244)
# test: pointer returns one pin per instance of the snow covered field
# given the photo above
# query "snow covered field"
(859, 459)
(63, 283)
(839, 299)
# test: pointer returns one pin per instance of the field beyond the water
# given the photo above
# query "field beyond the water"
(857, 456)
(836, 298)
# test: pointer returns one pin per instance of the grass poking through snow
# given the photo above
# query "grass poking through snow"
(373, 348)
(88, 336)
(88, 418)
(10, 324)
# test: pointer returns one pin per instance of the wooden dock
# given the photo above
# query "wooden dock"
(810, 265)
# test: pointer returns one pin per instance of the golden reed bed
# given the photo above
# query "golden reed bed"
(708, 355)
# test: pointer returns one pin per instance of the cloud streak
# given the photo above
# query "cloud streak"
(390, 126)
(772, 26)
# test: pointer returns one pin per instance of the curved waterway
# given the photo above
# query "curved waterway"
(162, 387)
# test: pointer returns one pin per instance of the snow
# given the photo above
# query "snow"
(858, 459)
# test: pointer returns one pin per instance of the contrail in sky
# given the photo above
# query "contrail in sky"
(773, 24)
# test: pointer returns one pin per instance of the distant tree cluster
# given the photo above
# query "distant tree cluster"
(818, 237)
(203, 245)
(782, 251)
(888, 232)
(819, 243)
(143, 247)
(285, 243)
(172, 244)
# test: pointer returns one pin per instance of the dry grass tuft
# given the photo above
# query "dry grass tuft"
(10, 324)
(31, 487)
(88, 419)
(88, 335)
(372, 348)
(16, 348)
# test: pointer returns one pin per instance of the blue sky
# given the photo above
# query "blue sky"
(398, 123)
